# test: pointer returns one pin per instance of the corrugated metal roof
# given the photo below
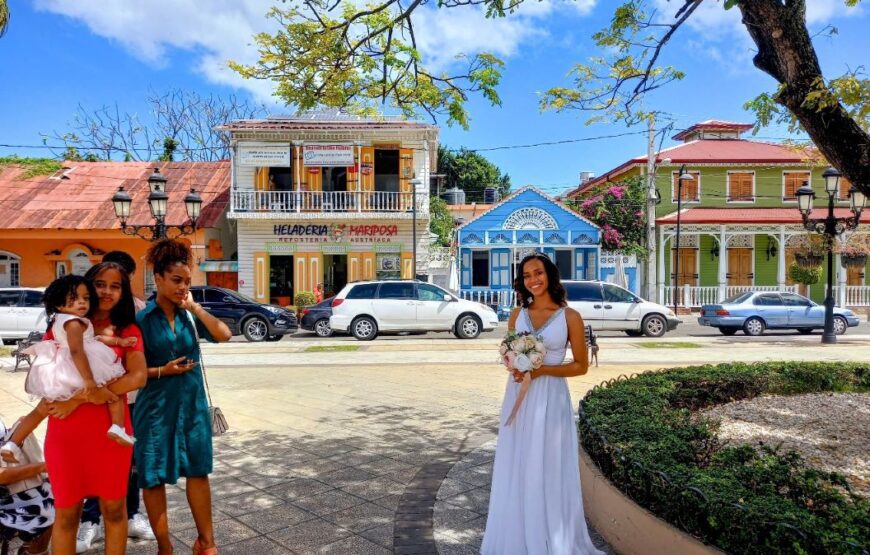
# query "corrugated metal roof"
(80, 196)
(324, 123)
(750, 215)
(714, 125)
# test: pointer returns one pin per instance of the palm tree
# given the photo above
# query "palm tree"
(4, 16)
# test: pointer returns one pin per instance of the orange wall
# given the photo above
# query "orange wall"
(37, 266)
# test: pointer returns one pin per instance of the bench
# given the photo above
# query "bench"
(20, 355)
(592, 345)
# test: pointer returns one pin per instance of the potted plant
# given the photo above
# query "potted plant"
(810, 251)
(853, 252)
(804, 276)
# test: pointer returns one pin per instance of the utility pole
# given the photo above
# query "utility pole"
(651, 275)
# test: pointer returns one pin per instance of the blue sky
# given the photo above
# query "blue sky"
(59, 54)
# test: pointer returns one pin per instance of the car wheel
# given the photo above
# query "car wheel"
(840, 325)
(255, 329)
(633, 333)
(753, 326)
(654, 326)
(467, 327)
(322, 329)
(728, 331)
(805, 331)
(364, 328)
(275, 337)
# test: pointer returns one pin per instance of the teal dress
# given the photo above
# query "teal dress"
(170, 417)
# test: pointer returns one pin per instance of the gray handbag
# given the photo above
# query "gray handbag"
(219, 424)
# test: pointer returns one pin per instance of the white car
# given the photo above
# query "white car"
(365, 308)
(21, 312)
(606, 306)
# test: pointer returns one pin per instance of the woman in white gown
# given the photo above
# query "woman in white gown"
(536, 507)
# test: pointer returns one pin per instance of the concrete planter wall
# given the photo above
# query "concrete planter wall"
(627, 526)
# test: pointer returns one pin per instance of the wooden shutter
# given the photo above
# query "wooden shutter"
(406, 173)
(354, 267)
(690, 188)
(740, 186)
(793, 182)
(367, 176)
(368, 265)
(844, 185)
(261, 277)
(408, 265)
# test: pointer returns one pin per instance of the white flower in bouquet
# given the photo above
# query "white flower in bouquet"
(518, 345)
(502, 349)
(522, 363)
(537, 359)
(530, 342)
(539, 346)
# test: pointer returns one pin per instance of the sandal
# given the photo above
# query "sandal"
(197, 550)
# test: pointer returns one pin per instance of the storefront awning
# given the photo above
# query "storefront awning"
(219, 266)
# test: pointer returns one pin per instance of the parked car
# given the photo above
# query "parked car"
(753, 312)
(316, 318)
(606, 306)
(243, 315)
(366, 308)
(21, 312)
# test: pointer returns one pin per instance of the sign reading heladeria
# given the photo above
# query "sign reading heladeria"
(327, 155)
(278, 156)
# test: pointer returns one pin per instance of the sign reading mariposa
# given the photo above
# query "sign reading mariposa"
(327, 155)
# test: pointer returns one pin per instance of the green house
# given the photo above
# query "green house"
(739, 223)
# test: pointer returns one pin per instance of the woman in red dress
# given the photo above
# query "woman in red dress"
(82, 461)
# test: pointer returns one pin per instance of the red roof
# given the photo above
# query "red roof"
(79, 197)
(280, 124)
(711, 151)
(750, 215)
(713, 125)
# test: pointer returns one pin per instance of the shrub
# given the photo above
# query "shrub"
(642, 434)
(805, 276)
(303, 299)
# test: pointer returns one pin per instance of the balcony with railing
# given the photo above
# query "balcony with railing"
(327, 204)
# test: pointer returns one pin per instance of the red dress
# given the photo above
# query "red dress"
(80, 458)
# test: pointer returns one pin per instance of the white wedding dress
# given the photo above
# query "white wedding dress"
(536, 506)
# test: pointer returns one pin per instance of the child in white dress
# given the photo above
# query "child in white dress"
(75, 361)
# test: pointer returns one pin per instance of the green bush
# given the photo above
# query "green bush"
(642, 434)
(805, 276)
(303, 299)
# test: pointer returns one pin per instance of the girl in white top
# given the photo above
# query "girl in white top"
(75, 361)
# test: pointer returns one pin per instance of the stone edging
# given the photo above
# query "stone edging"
(627, 526)
(413, 520)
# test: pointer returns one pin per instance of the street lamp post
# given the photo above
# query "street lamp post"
(157, 201)
(684, 176)
(830, 227)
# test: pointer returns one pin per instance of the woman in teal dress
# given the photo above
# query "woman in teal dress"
(170, 420)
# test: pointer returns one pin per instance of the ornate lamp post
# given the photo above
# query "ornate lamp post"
(684, 176)
(830, 227)
(157, 200)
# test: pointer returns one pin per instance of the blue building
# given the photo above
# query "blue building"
(492, 244)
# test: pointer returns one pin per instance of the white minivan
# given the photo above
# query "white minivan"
(21, 312)
(365, 308)
(606, 306)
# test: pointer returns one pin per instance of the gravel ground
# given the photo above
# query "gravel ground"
(831, 431)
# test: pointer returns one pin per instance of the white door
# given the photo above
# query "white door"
(9, 313)
(620, 310)
(587, 299)
(433, 312)
(396, 306)
(31, 313)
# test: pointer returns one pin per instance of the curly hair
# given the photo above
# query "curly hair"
(124, 313)
(554, 282)
(61, 291)
(166, 253)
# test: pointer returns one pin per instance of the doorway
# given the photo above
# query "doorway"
(564, 260)
(387, 170)
(281, 280)
(334, 274)
(740, 267)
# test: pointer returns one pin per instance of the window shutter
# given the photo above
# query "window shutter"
(740, 186)
(845, 185)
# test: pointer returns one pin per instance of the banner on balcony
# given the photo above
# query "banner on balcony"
(276, 156)
(327, 155)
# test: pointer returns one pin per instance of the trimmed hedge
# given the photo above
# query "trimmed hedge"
(643, 435)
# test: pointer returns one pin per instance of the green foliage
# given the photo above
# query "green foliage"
(4, 17)
(303, 299)
(642, 433)
(805, 276)
(170, 145)
(356, 58)
(441, 221)
(33, 167)
(471, 172)
(618, 209)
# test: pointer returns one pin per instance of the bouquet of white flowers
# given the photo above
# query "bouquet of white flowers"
(523, 352)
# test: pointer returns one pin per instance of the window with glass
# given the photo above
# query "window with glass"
(32, 299)
(388, 266)
(790, 299)
(583, 292)
(430, 293)
(9, 298)
(214, 296)
(363, 291)
(768, 299)
(9, 270)
(396, 290)
(614, 294)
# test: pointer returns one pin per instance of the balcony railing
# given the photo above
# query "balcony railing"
(326, 201)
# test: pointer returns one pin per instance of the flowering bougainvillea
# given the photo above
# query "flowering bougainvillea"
(618, 209)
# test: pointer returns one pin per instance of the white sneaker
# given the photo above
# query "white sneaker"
(87, 535)
(120, 435)
(139, 528)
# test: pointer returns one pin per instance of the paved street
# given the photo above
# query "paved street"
(338, 446)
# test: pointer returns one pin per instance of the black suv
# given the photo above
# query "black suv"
(243, 315)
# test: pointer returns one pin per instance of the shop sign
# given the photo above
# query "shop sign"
(366, 168)
(388, 247)
(335, 248)
(280, 247)
(327, 155)
(277, 155)
(323, 233)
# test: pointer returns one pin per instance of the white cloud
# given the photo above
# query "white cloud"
(151, 29)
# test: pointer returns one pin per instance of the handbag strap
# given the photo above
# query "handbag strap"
(201, 357)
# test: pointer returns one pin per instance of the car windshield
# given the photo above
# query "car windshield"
(241, 296)
(738, 298)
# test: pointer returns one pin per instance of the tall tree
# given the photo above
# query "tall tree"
(4, 17)
(335, 53)
(618, 210)
(441, 221)
(471, 172)
(181, 126)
